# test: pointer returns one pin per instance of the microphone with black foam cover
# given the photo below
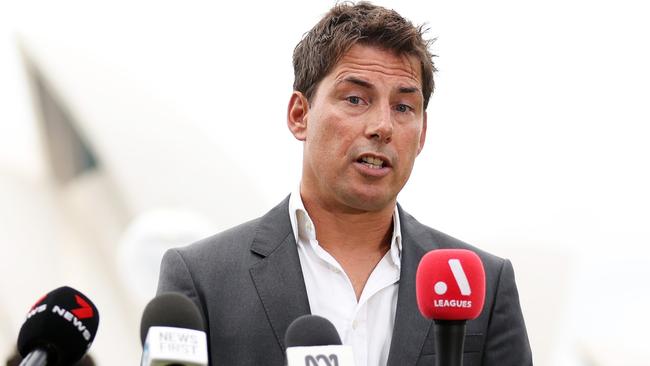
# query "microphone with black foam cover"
(59, 329)
(450, 289)
(172, 332)
(312, 340)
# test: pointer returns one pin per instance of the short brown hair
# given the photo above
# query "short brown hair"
(348, 23)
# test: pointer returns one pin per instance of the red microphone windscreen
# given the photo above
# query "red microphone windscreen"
(450, 285)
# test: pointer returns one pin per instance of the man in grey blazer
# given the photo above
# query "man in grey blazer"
(363, 78)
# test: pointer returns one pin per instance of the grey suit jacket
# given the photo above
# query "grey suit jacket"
(248, 283)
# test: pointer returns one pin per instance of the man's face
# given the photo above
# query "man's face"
(362, 131)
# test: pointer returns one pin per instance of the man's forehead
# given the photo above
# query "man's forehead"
(371, 59)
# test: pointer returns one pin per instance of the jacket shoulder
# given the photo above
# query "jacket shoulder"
(231, 243)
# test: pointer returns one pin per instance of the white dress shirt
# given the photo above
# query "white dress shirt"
(367, 324)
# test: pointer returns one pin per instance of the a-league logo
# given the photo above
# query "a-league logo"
(459, 275)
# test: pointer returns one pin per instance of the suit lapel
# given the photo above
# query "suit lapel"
(278, 276)
(411, 328)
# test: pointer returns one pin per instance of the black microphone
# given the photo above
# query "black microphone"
(59, 329)
(172, 332)
(313, 340)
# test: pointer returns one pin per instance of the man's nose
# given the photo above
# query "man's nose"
(380, 125)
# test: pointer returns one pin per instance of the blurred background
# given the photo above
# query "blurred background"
(127, 127)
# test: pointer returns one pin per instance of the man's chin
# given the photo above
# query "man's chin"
(368, 202)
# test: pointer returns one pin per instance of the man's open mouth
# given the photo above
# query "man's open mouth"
(371, 162)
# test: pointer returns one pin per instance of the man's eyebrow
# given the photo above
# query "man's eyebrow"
(409, 89)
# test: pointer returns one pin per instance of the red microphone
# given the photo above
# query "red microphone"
(450, 289)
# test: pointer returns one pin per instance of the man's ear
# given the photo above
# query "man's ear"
(423, 135)
(297, 115)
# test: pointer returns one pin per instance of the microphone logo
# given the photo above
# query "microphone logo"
(85, 311)
(332, 360)
(459, 275)
(38, 302)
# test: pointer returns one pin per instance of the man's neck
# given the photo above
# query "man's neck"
(357, 239)
(346, 230)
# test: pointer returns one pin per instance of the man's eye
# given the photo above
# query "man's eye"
(354, 100)
(403, 108)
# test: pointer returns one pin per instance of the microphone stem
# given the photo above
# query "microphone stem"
(450, 341)
(37, 357)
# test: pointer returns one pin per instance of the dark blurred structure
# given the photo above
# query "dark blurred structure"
(68, 152)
